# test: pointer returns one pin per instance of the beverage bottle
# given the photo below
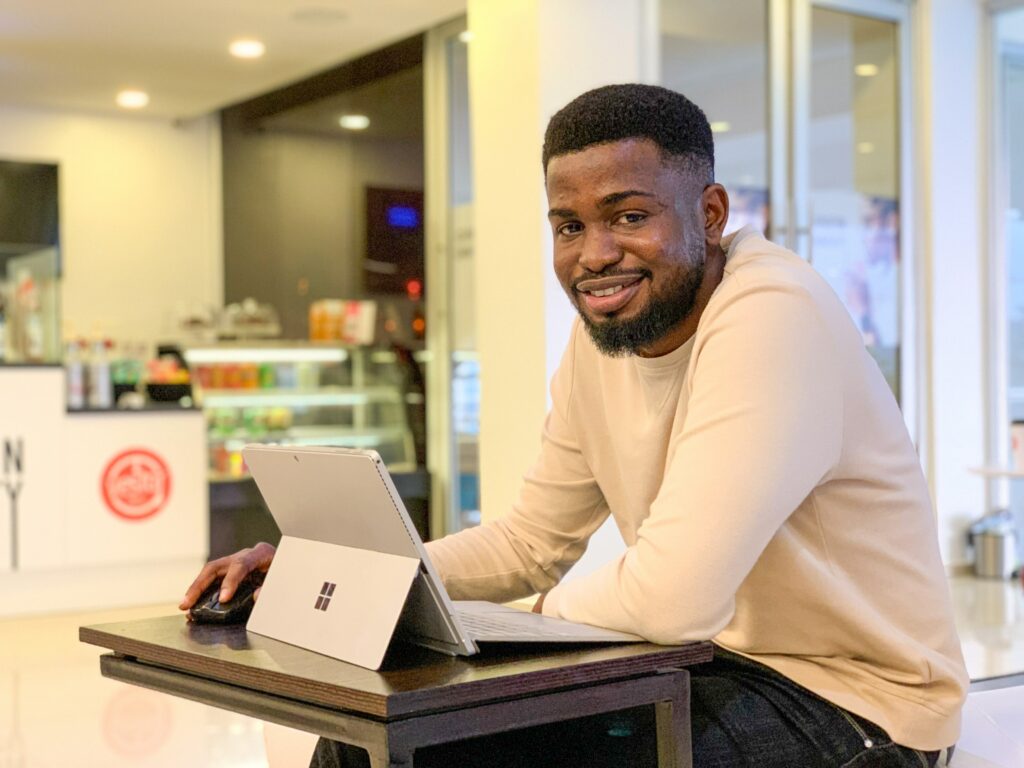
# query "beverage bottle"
(74, 367)
(3, 326)
(100, 388)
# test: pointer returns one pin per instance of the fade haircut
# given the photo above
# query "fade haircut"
(634, 111)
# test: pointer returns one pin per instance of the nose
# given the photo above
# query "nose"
(599, 250)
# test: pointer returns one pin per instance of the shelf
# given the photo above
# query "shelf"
(996, 471)
(253, 398)
(316, 432)
(269, 352)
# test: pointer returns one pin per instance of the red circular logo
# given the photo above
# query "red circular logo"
(136, 484)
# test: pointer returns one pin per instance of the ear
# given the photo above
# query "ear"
(714, 203)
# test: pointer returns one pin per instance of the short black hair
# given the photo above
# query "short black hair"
(632, 111)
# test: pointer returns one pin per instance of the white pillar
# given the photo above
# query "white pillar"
(527, 59)
(950, 105)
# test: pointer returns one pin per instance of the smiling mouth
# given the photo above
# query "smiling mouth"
(606, 286)
(607, 295)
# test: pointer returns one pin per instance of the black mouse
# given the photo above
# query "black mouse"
(208, 609)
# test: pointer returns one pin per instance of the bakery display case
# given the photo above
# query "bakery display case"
(304, 393)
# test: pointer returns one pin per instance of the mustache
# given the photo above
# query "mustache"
(588, 275)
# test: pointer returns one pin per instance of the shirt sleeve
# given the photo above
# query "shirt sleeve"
(763, 428)
(559, 506)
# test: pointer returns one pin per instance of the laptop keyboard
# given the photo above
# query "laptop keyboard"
(495, 624)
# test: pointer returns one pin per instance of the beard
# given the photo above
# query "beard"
(619, 337)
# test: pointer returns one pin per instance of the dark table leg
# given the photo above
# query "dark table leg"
(675, 748)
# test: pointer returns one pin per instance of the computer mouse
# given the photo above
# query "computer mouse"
(208, 609)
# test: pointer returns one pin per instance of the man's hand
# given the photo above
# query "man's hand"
(538, 607)
(230, 570)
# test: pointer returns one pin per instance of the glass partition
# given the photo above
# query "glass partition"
(854, 179)
(727, 38)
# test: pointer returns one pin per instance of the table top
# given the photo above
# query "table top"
(413, 680)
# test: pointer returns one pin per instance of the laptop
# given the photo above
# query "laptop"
(351, 571)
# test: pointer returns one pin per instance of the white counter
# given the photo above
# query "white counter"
(97, 509)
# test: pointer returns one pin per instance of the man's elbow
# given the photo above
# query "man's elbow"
(682, 622)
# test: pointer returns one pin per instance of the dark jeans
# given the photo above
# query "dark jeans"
(742, 714)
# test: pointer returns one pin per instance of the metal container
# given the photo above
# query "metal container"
(995, 552)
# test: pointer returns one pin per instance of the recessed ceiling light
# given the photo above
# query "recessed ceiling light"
(132, 99)
(354, 122)
(720, 126)
(318, 14)
(866, 70)
(465, 36)
(865, 147)
(247, 49)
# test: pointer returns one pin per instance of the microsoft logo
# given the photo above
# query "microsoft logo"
(324, 599)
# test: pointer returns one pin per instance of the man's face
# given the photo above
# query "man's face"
(629, 242)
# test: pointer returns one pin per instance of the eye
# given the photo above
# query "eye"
(630, 217)
(569, 228)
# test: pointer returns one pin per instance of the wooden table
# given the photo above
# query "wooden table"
(419, 697)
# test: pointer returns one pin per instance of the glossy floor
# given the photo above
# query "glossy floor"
(56, 710)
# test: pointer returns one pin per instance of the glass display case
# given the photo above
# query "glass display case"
(30, 306)
(305, 393)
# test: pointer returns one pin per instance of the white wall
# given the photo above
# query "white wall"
(140, 214)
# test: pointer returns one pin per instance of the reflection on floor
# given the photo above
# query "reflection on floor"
(990, 619)
(56, 710)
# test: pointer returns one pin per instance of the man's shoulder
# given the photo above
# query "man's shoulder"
(754, 258)
(758, 266)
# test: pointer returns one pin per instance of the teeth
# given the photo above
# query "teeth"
(607, 291)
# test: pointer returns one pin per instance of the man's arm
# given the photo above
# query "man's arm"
(763, 428)
(558, 508)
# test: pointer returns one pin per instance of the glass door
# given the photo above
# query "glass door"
(841, 166)
(453, 371)
(847, 153)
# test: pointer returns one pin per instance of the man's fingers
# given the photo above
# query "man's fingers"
(263, 555)
(237, 571)
(210, 571)
(231, 570)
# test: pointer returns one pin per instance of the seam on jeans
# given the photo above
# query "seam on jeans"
(874, 754)
(868, 741)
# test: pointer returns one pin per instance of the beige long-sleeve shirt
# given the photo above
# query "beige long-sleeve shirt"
(768, 493)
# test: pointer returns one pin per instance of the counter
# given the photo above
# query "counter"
(97, 508)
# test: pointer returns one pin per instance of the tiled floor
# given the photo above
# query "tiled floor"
(56, 710)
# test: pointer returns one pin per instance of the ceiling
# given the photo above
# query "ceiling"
(393, 103)
(58, 54)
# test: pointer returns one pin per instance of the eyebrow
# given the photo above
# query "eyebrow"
(612, 199)
(618, 197)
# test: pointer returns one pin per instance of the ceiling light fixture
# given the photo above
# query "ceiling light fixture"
(465, 36)
(318, 14)
(247, 48)
(354, 122)
(720, 126)
(865, 70)
(132, 99)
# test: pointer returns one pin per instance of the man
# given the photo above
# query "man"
(716, 399)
